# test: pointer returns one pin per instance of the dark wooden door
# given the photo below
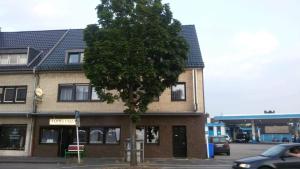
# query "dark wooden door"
(65, 139)
(179, 141)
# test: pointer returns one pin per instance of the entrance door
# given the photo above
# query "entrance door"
(66, 138)
(179, 141)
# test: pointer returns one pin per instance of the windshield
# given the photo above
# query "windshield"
(273, 151)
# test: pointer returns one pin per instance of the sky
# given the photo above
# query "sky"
(250, 47)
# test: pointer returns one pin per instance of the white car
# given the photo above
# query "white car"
(228, 138)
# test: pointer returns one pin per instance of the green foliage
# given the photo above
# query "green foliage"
(134, 53)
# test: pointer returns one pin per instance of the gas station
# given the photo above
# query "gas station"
(267, 127)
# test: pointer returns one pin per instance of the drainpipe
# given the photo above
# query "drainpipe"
(203, 93)
(34, 109)
(195, 95)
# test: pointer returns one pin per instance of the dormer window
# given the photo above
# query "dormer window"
(74, 56)
(13, 59)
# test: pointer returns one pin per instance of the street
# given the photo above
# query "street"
(219, 162)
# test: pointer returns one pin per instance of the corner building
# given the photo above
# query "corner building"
(173, 126)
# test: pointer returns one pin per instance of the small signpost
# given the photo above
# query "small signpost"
(77, 121)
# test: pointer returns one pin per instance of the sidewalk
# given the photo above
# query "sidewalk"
(103, 161)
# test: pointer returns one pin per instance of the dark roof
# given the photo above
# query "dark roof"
(194, 55)
(38, 42)
(50, 46)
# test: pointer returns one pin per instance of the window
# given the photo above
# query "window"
(112, 136)
(82, 92)
(97, 135)
(104, 135)
(21, 94)
(9, 94)
(83, 136)
(75, 57)
(94, 95)
(77, 92)
(1, 94)
(151, 136)
(13, 59)
(49, 136)
(178, 92)
(13, 94)
(12, 137)
(140, 133)
(66, 93)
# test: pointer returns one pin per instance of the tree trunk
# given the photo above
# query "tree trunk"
(133, 157)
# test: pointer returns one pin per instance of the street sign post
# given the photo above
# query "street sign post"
(77, 121)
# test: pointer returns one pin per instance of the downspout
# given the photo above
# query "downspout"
(34, 108)
(203, 92)
(195, 90)
(194, 98)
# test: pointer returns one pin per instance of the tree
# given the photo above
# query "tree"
(133, 54)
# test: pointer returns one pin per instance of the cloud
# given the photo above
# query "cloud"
(257, 43)
(245, 56)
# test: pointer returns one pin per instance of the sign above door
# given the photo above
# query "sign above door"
(62, 122)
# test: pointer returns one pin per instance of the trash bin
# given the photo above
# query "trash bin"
(211, 150)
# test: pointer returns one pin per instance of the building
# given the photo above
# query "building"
(268, 127)
(49, 81)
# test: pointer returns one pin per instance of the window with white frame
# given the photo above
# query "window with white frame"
(13, 59)
(150, 134)
(13, 94)
(178, 92)
(75, 57)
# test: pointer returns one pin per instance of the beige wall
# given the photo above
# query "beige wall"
(18, 80)
(49, 83)
(200, 91)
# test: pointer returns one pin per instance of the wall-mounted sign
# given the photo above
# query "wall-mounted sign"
(62, 122)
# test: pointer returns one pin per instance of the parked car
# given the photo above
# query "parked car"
(221, 145)
(274, 158)
(284, 139)
(228, 138)
(242, 138)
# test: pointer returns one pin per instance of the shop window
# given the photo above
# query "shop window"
(112, 136)
(178, 92)
(83, 136)
(96, 135)
(49, 135)
(152, 134)
(12, 137)
(13, 94)
(140, 133)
